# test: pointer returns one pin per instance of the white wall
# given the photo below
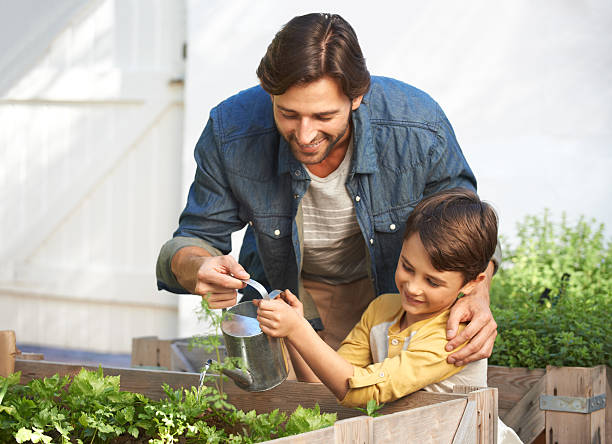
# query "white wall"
(91, 121)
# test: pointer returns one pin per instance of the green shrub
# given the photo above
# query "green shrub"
(552, 297)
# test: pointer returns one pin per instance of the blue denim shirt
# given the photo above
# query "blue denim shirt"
(405, 149)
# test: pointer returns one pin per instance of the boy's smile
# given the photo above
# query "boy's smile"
(425, 291)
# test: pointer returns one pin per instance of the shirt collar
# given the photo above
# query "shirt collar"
(364, 156)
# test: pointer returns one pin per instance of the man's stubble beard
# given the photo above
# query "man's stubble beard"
(299, 155)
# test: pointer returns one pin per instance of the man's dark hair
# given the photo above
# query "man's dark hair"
(457, 229)
(312, 46)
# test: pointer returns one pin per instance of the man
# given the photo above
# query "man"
(324, 163)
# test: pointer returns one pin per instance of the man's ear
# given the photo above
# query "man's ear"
(356, 102)
(468, 287)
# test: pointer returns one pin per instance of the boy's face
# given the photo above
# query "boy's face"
(314, 118)
(425, 291)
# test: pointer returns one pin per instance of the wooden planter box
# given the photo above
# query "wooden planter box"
(519, 392)
(527, 399)
(420, 417)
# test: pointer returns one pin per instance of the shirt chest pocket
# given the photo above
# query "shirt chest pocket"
(272, 227)
(392, 222)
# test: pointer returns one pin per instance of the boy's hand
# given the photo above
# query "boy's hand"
(281, 316)
(481, 330)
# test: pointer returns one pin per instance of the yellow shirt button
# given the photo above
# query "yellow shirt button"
(394, 341)
(381, 374)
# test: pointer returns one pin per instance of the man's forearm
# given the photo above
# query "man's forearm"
(185, 265)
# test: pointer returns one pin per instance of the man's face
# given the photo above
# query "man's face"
(314, 118)
(425, 291)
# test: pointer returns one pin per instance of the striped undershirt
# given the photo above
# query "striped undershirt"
(334, 248)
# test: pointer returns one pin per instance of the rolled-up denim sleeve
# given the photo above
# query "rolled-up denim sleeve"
(165, 277)
(211, 213)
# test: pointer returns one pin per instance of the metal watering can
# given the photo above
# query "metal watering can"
(264, 357)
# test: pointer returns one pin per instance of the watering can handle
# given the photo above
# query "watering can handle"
(257, 286)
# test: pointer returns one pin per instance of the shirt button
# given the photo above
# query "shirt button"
(295, 196)
(392, 227)
(381, 374)
(297, 172)
(277, 232)
(394, 341)
(251, 223)
(371, 241)
(357, 198)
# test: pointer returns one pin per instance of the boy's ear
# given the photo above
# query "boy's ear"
(468, 287)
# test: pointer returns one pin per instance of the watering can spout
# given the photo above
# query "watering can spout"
(242, 378)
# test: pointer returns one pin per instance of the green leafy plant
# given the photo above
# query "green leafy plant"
(213, 371)
(553, 294)
(90, 408)
(372, 408)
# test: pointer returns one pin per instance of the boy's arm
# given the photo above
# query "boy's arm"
(332, 369)
(302, 371)
(283, 319)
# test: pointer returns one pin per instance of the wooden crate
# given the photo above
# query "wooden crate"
(420, 417)
(521, 389)
(170, 354)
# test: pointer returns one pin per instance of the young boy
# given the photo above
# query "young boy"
(398, 346)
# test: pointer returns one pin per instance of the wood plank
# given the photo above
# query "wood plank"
(354, 431)
(8, 352)
(608, 405)
(512, 383)
(526, 418)
(486, 406)
(288, 395)
(31, 356)
(466, 432)
(432, 424)
(144, 351)
(465, 389)
(575, 428)
(164, 353)
(321, 436)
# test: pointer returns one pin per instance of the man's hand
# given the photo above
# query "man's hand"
(216, 278)
(281, 316)
(481, 330)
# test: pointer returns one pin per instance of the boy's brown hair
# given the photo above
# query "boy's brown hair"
(457, 229)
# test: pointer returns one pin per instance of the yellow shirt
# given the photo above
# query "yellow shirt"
(390, 363)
